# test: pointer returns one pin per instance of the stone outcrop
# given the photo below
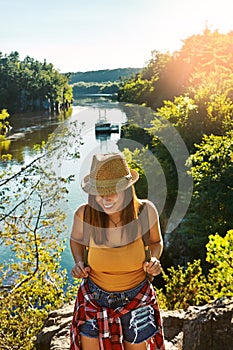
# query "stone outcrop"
(55, 333)
(208, 327)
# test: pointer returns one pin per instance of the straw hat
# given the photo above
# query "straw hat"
(109, 174)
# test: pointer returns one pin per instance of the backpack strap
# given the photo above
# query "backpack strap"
(144, 219)
(85, 255)
(86, 235)
(145, 224)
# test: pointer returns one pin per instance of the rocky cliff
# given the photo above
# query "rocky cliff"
(208, 327)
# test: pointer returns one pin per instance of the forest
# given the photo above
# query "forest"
(85, 89)
(104, 75)
(100, 82)
(29, 85)
(192, 90)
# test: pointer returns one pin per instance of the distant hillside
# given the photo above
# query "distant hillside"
(105, 75)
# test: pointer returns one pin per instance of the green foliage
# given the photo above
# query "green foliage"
(4, 129)
(220, 255)
(150, 176)
(211, 207)
(83, 88)
(187, 115)
(207, 53)
(29, 85)
(169, 170)
(178, 112)
(192, 87)
(104, 75)
(182, 113)
(188, 285)
(4, 115)
(219, 112)
(156, 65)
(24, 309)
(137, 160)
(212, 158)
(156, 82)
(138, 115)
(136, 133)
(136, 90)
(4, 125)
(32, 233)
(185, 287)
(164, 72)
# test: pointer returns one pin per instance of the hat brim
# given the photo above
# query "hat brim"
(119, 186)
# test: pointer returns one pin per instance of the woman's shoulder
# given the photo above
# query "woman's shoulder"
(80, 211)
(150, 206)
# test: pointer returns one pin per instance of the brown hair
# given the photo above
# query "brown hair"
(98, 221)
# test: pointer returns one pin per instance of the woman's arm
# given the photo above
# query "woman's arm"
(156, 239)
(77, 245)
(155, 242)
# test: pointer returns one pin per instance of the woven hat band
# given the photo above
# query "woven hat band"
(109, 183)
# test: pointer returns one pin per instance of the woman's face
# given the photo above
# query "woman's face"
(111, 203)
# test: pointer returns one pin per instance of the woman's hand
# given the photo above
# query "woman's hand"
(153, 267)
(79, 271)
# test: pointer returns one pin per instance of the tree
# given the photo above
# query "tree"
(4, 129)
(136, 90)
(183, 114)
(203, 65)
(207, 53)
(220, 256)
(4, 124)
(185, 286)
(29, 84)
(32, 226)
(204, 114)
(211, 206)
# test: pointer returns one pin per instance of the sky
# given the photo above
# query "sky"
(85, 35)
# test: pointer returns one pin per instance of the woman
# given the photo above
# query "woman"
(116, 306)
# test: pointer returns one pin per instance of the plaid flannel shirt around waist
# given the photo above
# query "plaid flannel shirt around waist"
(109, 322)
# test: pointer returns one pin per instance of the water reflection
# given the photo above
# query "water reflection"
(96, 100)
(27, 130)
(33, 128)
(103, 137)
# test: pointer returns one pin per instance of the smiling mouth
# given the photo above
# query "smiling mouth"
(108, 206)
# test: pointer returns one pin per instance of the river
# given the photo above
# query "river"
(31, 129)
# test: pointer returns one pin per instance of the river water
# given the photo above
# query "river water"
(31, 129)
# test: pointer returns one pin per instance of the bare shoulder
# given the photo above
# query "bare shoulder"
(152, 210)
(154, 224)
(80, 212)
(77, 228)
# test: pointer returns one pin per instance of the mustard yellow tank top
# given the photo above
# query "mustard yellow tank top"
(117, 269)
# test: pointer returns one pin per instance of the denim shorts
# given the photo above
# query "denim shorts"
(138, 325)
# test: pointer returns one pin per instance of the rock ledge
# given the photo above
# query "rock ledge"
(208, 327)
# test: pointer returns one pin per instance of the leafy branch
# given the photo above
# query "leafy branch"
(31, 281)
(36, 252)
